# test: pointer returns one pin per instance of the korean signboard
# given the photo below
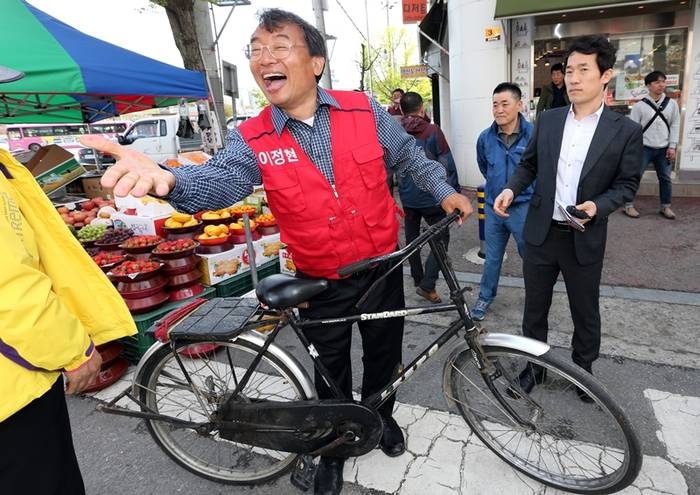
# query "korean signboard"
(414, 10)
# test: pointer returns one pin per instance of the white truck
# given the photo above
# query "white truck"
(158, 137)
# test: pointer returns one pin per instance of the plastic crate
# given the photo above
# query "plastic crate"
(240, 284)
(136, 345)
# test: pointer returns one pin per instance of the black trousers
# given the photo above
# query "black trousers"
(36, 449)
(427, 278)
(541, 267)
(381, 339)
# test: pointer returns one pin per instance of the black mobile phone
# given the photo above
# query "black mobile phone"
(573, 211)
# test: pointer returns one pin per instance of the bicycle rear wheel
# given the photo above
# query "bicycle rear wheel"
(214, 368)
(568, 444)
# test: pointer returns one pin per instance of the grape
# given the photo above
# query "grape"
(91, 232)
(115, 236)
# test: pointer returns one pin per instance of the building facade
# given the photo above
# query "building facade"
(472, 45)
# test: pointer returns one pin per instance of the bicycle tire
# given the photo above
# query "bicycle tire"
(570, 445)
(163, 389)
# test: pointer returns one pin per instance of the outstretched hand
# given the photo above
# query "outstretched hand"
(133, 173)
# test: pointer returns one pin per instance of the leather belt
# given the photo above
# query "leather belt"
(561, 226)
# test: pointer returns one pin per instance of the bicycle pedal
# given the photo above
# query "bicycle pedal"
(303, 473)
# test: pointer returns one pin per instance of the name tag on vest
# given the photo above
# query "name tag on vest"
(279, 156)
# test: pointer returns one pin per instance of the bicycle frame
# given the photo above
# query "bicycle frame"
(287, 316)
(301, 426)
(458, 303)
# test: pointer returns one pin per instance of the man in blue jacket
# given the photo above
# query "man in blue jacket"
(498, 152)
(417, 204)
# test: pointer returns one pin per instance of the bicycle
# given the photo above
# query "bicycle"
(228, 404)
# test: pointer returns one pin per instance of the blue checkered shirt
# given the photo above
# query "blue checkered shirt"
(231, 174)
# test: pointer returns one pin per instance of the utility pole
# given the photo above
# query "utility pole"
(202, 21)
(321, 26)
(369, 50)
(389, 5)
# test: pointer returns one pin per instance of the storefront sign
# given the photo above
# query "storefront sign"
(492, 33)
(630, 87)
(521, 34)
(414, 10)
(673, 80)
(414, 71)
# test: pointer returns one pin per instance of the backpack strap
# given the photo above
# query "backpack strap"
(658, 112)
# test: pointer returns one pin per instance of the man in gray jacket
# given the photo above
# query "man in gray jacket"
(660, 120)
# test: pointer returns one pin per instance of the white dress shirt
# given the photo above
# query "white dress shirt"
(575, 142)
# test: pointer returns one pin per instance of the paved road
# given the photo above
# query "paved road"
(650, 362)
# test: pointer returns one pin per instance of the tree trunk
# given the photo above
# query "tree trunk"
(181, 17)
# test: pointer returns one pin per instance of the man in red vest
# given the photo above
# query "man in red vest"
(322, 157)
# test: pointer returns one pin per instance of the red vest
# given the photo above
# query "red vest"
(324, 228)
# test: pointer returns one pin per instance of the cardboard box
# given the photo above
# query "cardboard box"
(267, 248)
(147, 206)
(54, 167)
(93, 188)
(218, 267)
(286, 263)
(141, 225)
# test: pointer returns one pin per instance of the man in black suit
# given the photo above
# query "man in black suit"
(584, 155)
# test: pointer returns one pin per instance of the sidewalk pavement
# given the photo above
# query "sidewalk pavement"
(650, 291)
(650, 252)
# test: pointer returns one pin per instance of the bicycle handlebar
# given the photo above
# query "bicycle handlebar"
(431, 231)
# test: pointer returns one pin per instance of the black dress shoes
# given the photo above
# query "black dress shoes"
(392, 442)
(532, 375)
(584, 396)
(329, 476)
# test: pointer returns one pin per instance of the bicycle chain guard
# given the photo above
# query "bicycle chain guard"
(305, 427)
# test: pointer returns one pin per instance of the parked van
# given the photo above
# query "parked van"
(160, 137)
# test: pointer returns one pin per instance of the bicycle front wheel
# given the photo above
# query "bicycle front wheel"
(559, 440)
(213, 370)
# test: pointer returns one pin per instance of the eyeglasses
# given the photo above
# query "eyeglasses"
(279, 51)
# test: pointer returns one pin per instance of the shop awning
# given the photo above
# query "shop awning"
(517, 8)
(432, 27)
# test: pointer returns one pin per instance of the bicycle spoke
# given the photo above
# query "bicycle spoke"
(211, 377)
(563, 444)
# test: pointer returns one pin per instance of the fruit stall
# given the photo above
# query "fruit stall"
(159, 258)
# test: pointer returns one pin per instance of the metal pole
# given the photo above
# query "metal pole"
(251, 250)
(369, 50)
(208, 49)
(321, 25)
(481, 209)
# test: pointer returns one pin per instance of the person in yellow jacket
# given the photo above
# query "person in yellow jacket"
(56, 305)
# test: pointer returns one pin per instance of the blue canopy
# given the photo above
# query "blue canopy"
(73, 77)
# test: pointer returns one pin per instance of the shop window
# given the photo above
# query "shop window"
(640, 53)
(637, 55)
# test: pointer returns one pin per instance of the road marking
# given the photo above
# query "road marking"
(444, 457)
(679, 417)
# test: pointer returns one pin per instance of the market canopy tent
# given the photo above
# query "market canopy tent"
(73, 77)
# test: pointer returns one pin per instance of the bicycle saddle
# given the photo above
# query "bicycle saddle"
(285, 291)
